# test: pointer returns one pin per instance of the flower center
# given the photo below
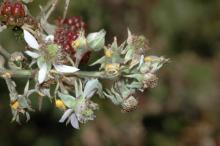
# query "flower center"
(112, 69)
(51, 52)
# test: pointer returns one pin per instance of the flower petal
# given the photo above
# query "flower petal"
(26, 89)
(141, 61)
(42, 73)
(90, 88)
(40, 61)
(74, 121)
(66, 115)
(32, 54)
(65, 68)
(30, 40)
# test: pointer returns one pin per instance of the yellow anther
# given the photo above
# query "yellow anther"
(75, 44)
(59, 104)
(151, 58)
(108, 53)
(15, 105)
(112, 69)
(148, 59)
(114, 66)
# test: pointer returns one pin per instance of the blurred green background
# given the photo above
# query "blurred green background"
(182, 111)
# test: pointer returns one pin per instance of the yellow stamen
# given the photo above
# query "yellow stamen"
(15, 105)
(75, 44)
(112, 69)
(148, 59)
(112, 66)
(108, 53)
(59, 104)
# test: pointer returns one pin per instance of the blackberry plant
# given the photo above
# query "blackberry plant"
(52, 57)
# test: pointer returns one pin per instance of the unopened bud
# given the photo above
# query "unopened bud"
(129, 104)
(80, 42)
(96, 40)
(112, 69)
(59, 104)
(150, 80)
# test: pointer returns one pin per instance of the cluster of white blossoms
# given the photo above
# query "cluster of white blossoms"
(70, 85)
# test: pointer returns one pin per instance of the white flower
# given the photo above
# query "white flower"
(71, 118)
(81, 109)
(44, 65)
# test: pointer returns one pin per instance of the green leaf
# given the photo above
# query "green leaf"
(99, 61)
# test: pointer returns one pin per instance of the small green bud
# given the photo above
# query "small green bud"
(80, 42)
(96, 40)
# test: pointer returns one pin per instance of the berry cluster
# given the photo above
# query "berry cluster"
(12, 13)
(67, 32)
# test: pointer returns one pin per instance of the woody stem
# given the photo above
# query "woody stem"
(31, 73)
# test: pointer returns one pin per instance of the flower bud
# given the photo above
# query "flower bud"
(129, 104)
(96, 40)
(150, 80)
(59, 104)
(79, 42)
(112, 69)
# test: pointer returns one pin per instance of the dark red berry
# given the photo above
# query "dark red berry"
(68, 31)
(6, 9)
(18, 10)
(73, 24)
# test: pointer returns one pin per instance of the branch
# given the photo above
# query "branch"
(16, 73)
(31, 73)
